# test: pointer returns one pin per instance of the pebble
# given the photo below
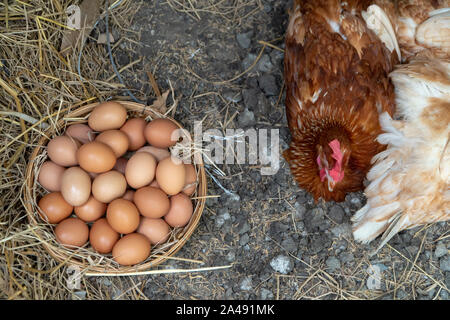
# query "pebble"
(444, 264)
(264, 63)
(248, 61)
(246, 118)
(289, 244)
(333, 263)
(346, 257)
(222, 217)
(231, 256)
(336, 214)
(244, 39)
(263, 105)
(232, 96)
(268, 84)
(245, 227)
(244, 239)
(80, 294)
(342, 230)
(441, 250)
(246, 284)
(266, 294)
(250, 97)
(282, 264)
(299, 211)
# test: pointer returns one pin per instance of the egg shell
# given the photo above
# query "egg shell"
(50, 176)
(140, 170)
(72, 232)
(151, 202)
(191, 179)
(96, 157)
(134, 129)
(131, 249)
(156, 230)
(62, 150)
(91, 210)
(107, 115)
(109, 186)
(123, 216)
(129, 195)
(180, 212)
(158, 153)
(75, 186)
(171, 175)
(81, 132)
(120, 165)
(116, 140)
(54, 208)
(161, 133)
(102, 237)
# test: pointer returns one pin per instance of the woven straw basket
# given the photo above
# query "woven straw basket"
(86, 258)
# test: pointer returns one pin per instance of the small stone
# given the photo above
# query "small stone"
(346, 257)
(250, 97)
(444, 264)
(441, 250)
(277, 57)
(246, 284)
(263, 105)
(244, 239)
(336, 214)
(289, 244)
(245, 227)
(266, 294)
(342, 230)
(264, 63)
(246, 118)
(268, 84)
(300, 211)
(232, 96)
(244, 39)
(230, 256)
(333, 263)
(80, 294)
(222, 217)
(248, 61)
(282, 264)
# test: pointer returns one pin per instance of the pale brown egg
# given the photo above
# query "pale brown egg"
(120, 165)
(134, 129)
(131, 249)
(91, 210)
(116, 140)
(50, 176)
(54, 208)
(107, 115)
(156, 230)
(75, 186)
(158, 153)
(102, 237)
(81, 132)
(140, 170)
(109, 186)
(180, 212)
(171, 175)
(161, 133)
(72, 232)
(151, 202)
(62, 150)
(123, 216)
(129, 195)
(191, 179)
(96, 157)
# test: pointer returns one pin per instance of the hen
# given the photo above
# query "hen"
(336, 74)
(410, 181)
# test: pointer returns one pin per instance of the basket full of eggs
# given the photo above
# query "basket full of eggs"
(104, 191)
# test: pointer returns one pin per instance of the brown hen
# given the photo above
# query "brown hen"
(336, 74)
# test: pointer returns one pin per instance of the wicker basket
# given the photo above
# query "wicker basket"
(85, 258)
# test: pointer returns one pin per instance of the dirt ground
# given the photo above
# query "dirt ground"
(271, 238)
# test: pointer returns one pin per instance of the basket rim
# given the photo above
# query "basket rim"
(58, 252)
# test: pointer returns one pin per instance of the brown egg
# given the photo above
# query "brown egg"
(158, 153)
(102, 237)
(191, 179)
(72, 232)
(62, 150)
(116, 139)
(91, 210)
(131, 249)
(50, 176)
(134, 129)
(140, 170)
(107, 115)
(75, 186)
(96, 157)
(122, 216)
(171, 175)
(109, 186)
(129, 195)
(156, 230)
(151, 202)
(180, 212)
(54, 208)
(120, 165)
(81, 132)
(158, 133)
